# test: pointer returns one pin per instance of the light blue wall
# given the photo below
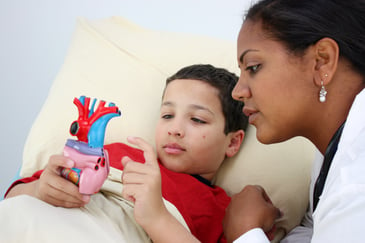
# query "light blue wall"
(35, 35)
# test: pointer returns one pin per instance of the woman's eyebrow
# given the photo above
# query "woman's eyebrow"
(244, 53)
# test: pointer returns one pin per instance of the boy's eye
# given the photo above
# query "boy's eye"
(197, 120)
(253, 68)
(167, 116)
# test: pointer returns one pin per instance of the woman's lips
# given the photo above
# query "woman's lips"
(250, 113)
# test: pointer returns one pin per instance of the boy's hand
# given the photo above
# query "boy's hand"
(56, 190)
(142, 185)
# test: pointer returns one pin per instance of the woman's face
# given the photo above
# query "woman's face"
(277, 88)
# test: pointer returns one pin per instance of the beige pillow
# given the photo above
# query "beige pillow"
(117, 61)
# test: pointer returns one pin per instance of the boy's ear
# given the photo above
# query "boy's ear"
(236, 139)
(327, 55)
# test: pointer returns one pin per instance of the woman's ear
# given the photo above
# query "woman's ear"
(327, 55)
(236, 139)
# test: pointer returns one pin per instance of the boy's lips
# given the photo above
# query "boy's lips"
(173, 148)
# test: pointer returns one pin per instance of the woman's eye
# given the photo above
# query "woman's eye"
(198, 120)
(253, 68)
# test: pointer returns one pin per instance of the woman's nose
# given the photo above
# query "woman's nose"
(241, 91)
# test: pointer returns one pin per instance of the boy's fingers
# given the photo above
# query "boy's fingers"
(149, 153)
(57, 161)
(125, 161)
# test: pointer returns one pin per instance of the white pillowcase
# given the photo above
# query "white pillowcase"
(117, 61)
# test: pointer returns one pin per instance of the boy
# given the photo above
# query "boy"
(199, 126)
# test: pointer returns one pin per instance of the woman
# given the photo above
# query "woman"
(302, 74)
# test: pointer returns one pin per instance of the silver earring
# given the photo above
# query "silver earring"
(322, 93)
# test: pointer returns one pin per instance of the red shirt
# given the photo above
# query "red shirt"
(202, 206)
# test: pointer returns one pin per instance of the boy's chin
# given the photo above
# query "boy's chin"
(173, 166)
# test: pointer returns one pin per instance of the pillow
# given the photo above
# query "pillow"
(117, 61)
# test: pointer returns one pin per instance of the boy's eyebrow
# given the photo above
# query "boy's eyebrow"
(194, 106)
(167, 103)
(244, 53)
(199, 107)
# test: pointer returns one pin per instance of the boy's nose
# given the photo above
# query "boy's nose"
(176, 130)
(175, 133)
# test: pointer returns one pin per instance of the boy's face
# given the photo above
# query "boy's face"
(189, 133)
